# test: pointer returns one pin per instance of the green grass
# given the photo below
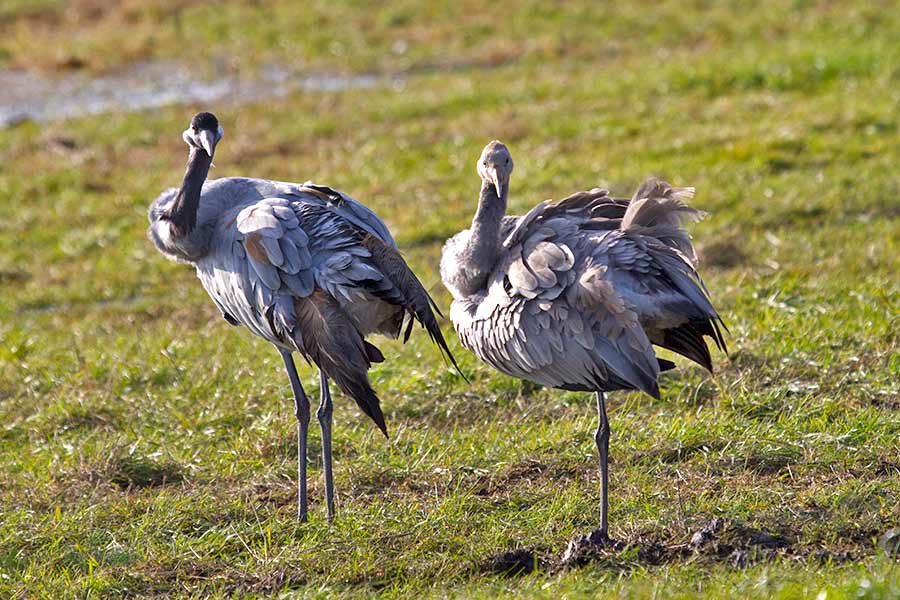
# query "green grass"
(148, 448)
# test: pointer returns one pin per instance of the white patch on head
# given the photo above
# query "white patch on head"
(190, 137)
(164, 231)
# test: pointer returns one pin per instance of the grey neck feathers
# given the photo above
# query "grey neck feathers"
(183, 213)
(484, 241)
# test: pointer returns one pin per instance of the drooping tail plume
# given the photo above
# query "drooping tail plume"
(330, 340)
(659, 210)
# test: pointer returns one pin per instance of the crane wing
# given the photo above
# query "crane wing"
(592, 209)
(354, 211)
(551, 316)
(405, 289)
(652, 263)
(299, 273)
(586, 285)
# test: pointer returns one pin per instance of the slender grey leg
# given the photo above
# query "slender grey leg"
(599, 538)
(301, 406)
(324, 414)
(602, 439)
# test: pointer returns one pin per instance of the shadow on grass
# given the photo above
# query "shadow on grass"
(729, 542)
(130, 472)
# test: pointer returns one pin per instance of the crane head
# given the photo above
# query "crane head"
(204, 132)
(495, 166)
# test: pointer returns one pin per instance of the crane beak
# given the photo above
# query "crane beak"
(494, 177)
(208, 141)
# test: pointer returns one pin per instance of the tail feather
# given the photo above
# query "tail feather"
(373, 353)
(713, 328)
(687, 341)
(326, 336)
(415, 299)
(665, 365)
(659, 210)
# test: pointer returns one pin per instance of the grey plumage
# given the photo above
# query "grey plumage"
(304, 267)
(577, 292)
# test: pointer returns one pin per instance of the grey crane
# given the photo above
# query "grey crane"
(574, 294)
(304, 267)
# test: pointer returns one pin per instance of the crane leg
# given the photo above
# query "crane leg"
(301, 409)
(324, 414)
(580, 547)
(601, 437)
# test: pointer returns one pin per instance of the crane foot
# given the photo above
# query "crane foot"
(581, 548)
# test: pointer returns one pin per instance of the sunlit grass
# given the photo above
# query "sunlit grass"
(146, 447)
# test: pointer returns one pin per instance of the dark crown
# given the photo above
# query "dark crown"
(205, 120)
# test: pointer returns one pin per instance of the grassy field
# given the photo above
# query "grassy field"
(148, 448)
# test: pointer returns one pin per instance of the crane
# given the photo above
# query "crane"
(306, 268)
(574, 294)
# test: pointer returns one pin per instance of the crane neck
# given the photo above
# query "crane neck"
(484, 240)
(183, 213)
(489, 215)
